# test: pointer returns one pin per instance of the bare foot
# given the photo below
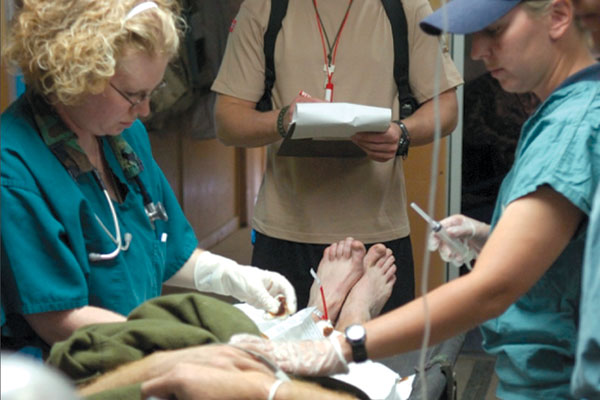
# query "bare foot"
(372, 291)
(339, 270)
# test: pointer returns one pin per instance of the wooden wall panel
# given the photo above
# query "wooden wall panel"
(6, 88)
(255, 164)
(210, 197)
(166, 149)
(7, 81)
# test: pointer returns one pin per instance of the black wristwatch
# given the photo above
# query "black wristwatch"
(356, 335)
(404, 141)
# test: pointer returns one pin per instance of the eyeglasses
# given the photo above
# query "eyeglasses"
(136, 100)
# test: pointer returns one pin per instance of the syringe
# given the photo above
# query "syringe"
(456, 245)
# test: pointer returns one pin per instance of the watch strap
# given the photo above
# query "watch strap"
(280, 128)
(404, 141)
(359, 350)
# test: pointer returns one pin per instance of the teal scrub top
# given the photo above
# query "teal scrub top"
(585, 383)
(535, 339)
(49, 227)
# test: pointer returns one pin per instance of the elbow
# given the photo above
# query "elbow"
(451, 122)
(496, 307)
(223, 124)
(224, 138)
(49, 326)
(223, 134)
(496, 297)
(492, 306)
(451, 112)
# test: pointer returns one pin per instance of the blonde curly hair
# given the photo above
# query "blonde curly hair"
(69, 48)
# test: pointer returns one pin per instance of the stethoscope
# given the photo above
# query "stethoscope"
(153, 210)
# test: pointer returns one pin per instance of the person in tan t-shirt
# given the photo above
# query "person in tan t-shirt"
(306, 203)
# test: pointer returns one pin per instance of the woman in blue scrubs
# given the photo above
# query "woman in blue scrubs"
(525, 286)
(585, 382)
(90, 226)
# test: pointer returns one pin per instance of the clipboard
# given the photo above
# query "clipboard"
(318, 148)
(331, 125)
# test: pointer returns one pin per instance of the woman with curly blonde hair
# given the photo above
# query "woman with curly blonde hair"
(90, 225)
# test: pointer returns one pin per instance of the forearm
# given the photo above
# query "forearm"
(207, 272)
(212, 367)
(421, 124)
(147, 368)
(186, 382)
(185, 276)
(197, 272)
(55, 326)
(239, 124)
(402, 330)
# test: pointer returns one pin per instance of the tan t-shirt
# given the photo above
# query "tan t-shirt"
(321, 200)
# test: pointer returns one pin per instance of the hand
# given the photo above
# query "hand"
(189, 381)
(379, 146)
(302, 97)
(260, 288)
(306, 358)
(219, 356)
(471, 232)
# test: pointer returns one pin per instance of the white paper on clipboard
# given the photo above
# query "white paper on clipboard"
(337, 120)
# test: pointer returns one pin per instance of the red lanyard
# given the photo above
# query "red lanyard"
(329, 66)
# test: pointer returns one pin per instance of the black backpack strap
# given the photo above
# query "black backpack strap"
(395, 13)
(278, 11)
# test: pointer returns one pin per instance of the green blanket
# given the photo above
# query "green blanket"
(164, 323)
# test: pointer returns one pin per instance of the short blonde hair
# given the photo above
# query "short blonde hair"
(537, 7)
(67, 49)
(541, 7)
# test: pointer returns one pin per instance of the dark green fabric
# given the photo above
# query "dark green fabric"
(63, 142)
(164, 323)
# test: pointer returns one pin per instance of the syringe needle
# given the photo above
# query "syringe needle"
(456, 245)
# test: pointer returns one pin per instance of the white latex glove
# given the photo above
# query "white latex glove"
(255, 286)
(471, 233)
(303, 357)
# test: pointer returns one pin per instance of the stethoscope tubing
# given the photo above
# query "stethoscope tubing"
(95, 257)
(154, 211)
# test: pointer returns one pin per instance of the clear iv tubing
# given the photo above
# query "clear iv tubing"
(430, 205)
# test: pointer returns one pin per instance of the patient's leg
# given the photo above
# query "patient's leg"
(371, 292)
(339, 270)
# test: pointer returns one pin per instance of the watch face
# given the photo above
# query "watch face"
(355, 332)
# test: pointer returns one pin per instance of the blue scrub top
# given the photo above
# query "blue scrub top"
(49, 227)
(585, 382)
(534, 340)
